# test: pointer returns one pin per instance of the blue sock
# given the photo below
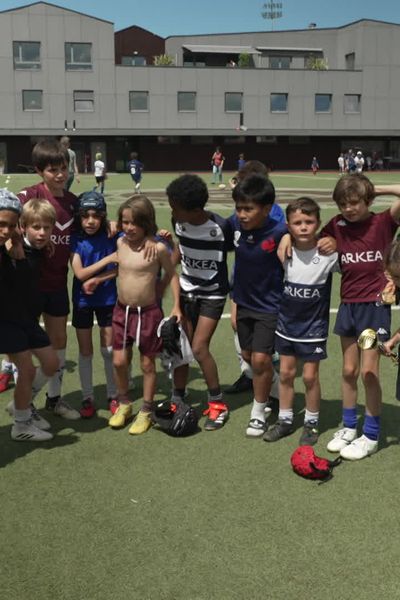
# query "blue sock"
(350, 417)
(372, 427)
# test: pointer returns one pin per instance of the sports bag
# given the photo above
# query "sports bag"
(308, 465)
(175, 418)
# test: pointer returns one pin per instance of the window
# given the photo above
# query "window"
(138, 101)
(239, 139)
(84, 101)
(186, 101)
(233, 102)
(26, 55)
(134, 60)
(168, 139)
(350, 61)
(280, 62)
(323, 103)
(299, 140)
(266, 139)
(78, 57)
(352, 103)
(279, 103)
(32, 100)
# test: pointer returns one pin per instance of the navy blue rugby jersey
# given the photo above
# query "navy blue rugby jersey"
(258, 280)
(203, 250)
(304, 311)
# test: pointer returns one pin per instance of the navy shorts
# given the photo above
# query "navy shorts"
(19, 336)
(83, 317)
(193, 307)
(55, 304)
(352, 319)
(307, 351)
(256, 330)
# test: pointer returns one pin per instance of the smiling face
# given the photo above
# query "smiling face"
(54, 177)
(251, 215)
(354, 209)
(303, 228)
(38, 233)
(8, 224)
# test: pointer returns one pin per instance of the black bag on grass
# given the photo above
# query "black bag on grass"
(175, 418)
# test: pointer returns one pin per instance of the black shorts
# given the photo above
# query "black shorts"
(83, 317)
(193, 307)
(19, 336)
(55, 304)
(256, 330)
(100, 179)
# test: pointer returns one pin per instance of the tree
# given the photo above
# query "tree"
(164, 60)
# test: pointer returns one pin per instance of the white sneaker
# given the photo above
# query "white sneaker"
(37, 419)
(64, 410)
(26, 431)
(255, 428)
(341, 439)
(360, 448)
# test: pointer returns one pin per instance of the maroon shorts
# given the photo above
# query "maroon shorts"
(149, 320)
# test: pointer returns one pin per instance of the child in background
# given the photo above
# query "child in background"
(303, 321)
(135, 168)
(204, 239)
(50, 160)
(241, 161)
(20, 333)
(99, 172)
(92, 251)
(314, 165)
(137, 313)
(362, 239)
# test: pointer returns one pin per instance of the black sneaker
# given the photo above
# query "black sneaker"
(277, 431)
(51, 402)
(310, 433)
(243, 384)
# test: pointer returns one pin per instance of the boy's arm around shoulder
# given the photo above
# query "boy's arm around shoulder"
(390, 190)
(171, 278)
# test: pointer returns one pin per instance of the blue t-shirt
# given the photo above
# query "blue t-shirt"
(135, 168)
(258, 280)
(91, 249)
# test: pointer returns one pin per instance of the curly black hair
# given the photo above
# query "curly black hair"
(188, 191)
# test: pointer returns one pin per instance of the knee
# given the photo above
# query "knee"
(287, 376)
(51, 366)
(261, 365)
(350, 374)
(120, 362)
(310, 381)
(200, 351)
(369, 377)
(148, 366)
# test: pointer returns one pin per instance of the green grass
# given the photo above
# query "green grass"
(99, 515)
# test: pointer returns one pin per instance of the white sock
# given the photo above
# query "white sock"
(86, 375)
(39, 382)
(311, 416)
(22, 416)
(54, 387)
(7, 367)
(107, 354)
(258, 410)
(286, 414)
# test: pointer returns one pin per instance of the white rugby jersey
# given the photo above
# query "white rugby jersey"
(304, 309)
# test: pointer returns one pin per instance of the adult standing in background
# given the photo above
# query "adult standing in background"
(217, 162)
(72, 166)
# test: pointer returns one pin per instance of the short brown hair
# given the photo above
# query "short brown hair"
(354, 184)
(143, 213)
(391, 260)
(37, 208)
(49, 152)
(306, 205)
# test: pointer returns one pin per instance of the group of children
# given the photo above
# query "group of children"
(281, 292)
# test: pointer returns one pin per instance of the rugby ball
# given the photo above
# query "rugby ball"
(222, 186)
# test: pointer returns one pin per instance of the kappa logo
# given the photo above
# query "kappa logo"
(342, 223)
(318, 350)
(382, 331)
(65, 225)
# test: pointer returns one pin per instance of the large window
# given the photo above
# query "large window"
(233, 102)
(352, 103)
(138, 100)
(323, 103)
(78, 56)
(350, 60)
(84, 101)
(279, 62)
(32, 99)
(279, 102)
(186, 101)
(26, 55)
(134, 60)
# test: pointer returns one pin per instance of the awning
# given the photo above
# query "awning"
(214, 49)
(283, 49)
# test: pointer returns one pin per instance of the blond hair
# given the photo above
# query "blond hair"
(37, 208)
(98, 155)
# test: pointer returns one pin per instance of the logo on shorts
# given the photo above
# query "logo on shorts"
(382, 331)
(318, 350)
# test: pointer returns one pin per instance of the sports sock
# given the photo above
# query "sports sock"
(107, 354)
(22, 416)
(147, 406)
(286, 415)
(350, 417)
(215, 395)
(178, 394)
(86, 375)
(39, 382)
(311, 417)
(258, 410)
(372, 427)
(7, 367)
(54, 387)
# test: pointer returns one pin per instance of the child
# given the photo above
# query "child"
(204, 239)
(303, 320)
(135, 168)
(92, 250)
(217, 163)
(241, 161)
(20, 333)
(314, 165)
(50, 160)
(257, 286)
(137, 313)
(99, 172)
(362, 238)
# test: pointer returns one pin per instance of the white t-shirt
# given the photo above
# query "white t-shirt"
(99, 168)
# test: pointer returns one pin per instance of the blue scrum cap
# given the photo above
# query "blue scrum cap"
(9, 201)
(92, 201)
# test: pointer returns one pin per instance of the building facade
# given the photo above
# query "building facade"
(278, 96)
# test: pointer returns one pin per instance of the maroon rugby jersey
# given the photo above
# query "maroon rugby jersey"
(55, 268)
(361, 247)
